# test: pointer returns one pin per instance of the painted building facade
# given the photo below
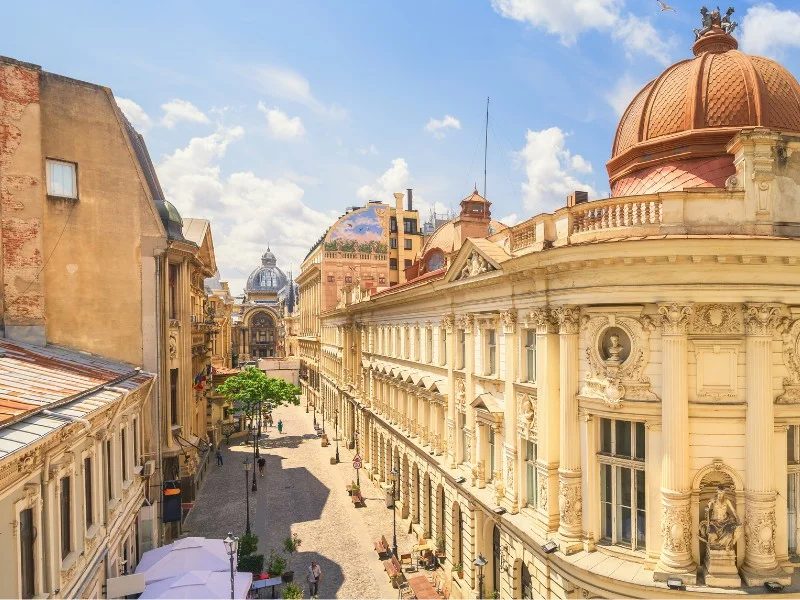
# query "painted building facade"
(619, 377)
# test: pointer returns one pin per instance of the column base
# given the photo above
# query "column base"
(721, 570)
(569, 545)
(758, 578)
(688, 576)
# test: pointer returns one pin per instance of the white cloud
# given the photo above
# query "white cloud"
(289, 85)
(552, 170)
(623, 93)
(246, 211)
(281, 126)
(568, 19)
(394, 179)
(767, 31)
(181, 110)
(509, 220)
(135, 114)
(439, 127)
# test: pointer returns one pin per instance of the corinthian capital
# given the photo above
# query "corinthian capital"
(542, 319)
(761, 319)
(509, 320)
(447, 322)
(465, 322)
(568, 318)
(675, 318)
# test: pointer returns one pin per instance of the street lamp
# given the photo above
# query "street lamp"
(254, 487)
(336, 432)
(258, 437)
(232, 546)
(358, 483)
(394, 512)
(323, 416)
(315, 414)
(480, 562)
(246, 495)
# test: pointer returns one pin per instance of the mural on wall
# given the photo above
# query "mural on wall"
(364, 230)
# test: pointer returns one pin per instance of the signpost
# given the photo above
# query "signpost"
(357, 466)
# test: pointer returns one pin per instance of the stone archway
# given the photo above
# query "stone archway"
(405, 489)
(457, 527)
(427, 525)
(704, 488)
(415, 483)
(381, 461)
(440, 518)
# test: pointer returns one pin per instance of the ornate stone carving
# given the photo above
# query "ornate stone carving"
(447, 322)
(526, 415)
(509, 320)
(721, 527)
(570, 506)
(465, 322)
(568, 318)
(476, 264)
(542, 319)
(675, 318)
(616, 365)
(461, 392)
(759, 530)
(762, 319)
(717, 319)
(542, 481)
(676, 528)
(791, 358)
(173, 346)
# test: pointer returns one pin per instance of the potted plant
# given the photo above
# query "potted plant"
(292, 591)
(290, 545)
(276, 565)
(460, 570)
(440, 546)
(251, 563)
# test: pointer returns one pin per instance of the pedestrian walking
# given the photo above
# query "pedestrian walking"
(280, 426)
(261, 462)
(219, 457)
(314, 572)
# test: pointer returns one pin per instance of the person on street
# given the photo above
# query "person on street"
(219, 457)
(261, 462)
(314, 572)
(280, 426)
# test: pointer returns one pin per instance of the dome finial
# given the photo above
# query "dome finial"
(716, 33)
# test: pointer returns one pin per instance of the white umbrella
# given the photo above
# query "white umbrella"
(199, 584)
(181, 556)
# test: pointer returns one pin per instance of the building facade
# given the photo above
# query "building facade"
(619, 377)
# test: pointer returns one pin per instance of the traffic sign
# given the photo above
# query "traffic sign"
(357, 462)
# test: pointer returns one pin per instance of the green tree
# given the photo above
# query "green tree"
(251, 388)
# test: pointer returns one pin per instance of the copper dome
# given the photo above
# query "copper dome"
(674, 133)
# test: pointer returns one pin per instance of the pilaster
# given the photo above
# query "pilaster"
(509, 322)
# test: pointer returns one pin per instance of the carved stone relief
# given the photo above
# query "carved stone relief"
(617, 349)
(791, 358)
(476, 264)
(717, 319)
(526, 416)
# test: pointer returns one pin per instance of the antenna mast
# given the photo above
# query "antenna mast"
(485, 146)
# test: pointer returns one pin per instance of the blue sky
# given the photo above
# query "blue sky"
(270, 118)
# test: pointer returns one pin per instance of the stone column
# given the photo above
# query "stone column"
(676, 535)
(447, 330)
(760, 563)
(508, 320)
(547, 410)
(570, 499)
(466, 322)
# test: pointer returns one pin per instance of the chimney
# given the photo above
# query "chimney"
(577, 198)
(410, 196)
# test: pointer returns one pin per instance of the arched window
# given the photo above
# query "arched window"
(460, 557)
(435, 260)
(526, 582)
(496, 557)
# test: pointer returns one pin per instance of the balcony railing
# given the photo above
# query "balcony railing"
(609, 214)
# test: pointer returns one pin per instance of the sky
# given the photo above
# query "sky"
(271, 118)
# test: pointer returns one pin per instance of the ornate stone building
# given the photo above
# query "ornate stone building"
(619, 377)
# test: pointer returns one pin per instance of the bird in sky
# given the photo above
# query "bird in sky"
(665, 6)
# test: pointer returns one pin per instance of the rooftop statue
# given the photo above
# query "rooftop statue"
(714, 18)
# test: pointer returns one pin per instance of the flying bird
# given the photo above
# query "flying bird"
(665, 6)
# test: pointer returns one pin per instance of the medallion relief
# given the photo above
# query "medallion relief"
(791, 358)
(717, 319)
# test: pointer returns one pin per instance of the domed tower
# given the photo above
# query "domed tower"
(266, 280)
(674, 133)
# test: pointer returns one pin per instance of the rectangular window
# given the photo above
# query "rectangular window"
(793, 487)
(173, 395)
(381, 280)
(442, 346)
(136, 441)
(331, 279)
(107, 465)
(65, 504)
(407, 243)
(393, 264)
(123, 455)
(429, 345)
(410, 225)
(406, 263)
(348, 279)
(417, 344)
(26, 548)
(173, 291)
(530, 474)
(491, 352)
(62, 180)
(462, 349)
(622, 483)
(393, 224)
(530, 355)
(491, 453)
(393, 242)
(464, 455)
(88, 500)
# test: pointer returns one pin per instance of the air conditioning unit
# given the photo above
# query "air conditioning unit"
(148, 469)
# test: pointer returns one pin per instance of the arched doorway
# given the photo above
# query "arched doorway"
(379, 459)
(458, 534)
(441, 538)
(496, 559)
(405, 488)
(428, 492)
(415, 477)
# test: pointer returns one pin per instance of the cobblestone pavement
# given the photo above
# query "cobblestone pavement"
(303, 493)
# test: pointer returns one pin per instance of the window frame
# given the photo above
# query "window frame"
(793, 488)
(88, 492)
(461, 343)
(490, 367)
(50, 162)
(529, 353)
(65, 504)
(531, 475)
(408, 244)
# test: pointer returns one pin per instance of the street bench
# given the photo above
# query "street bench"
(381, 546)
(356, 498)
(393, 567)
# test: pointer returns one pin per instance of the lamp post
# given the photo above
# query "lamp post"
(394, 512)
(315, 414)
(323, 416)
(258, 437)
(246, 495)
(358, 483)
(336, 432)
(480, 562)
(232, 546)
(254, 487)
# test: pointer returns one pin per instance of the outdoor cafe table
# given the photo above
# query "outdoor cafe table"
(260, 584)
(423, 589)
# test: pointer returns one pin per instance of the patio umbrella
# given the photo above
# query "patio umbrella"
(199, 584)
(181, 556)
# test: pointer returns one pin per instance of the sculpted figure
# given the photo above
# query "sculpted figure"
(721, 527)
(614, 348)
(729, 26)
